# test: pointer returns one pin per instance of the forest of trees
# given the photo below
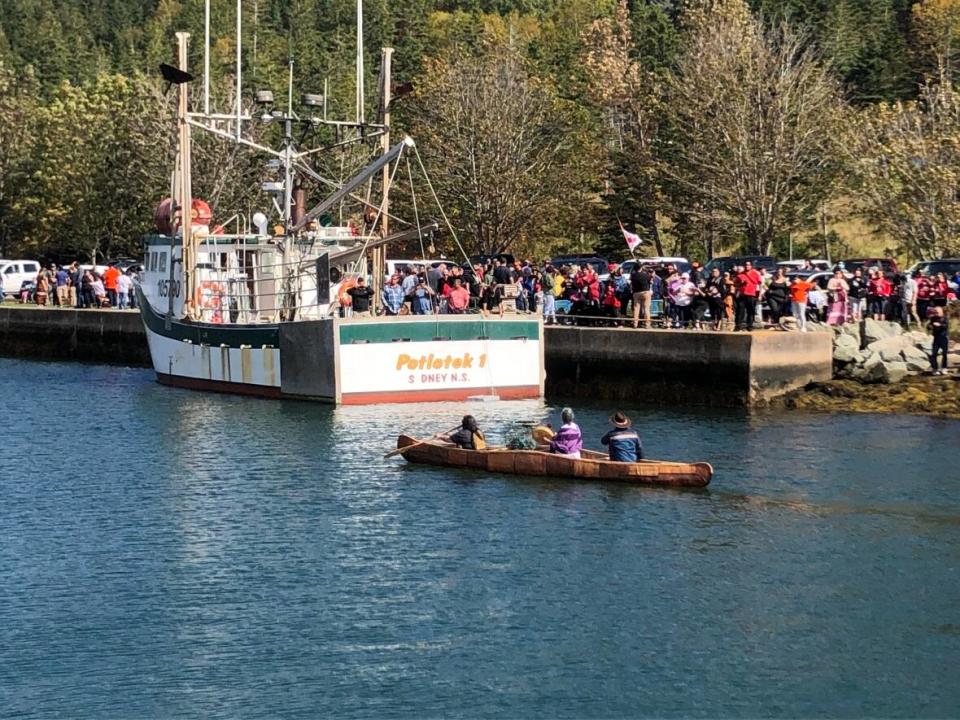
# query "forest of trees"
(708, 126)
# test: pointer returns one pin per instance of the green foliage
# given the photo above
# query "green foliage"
(86, 136)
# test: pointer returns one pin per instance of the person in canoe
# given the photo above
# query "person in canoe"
(468, 436)
(623, 440)
(568, 440)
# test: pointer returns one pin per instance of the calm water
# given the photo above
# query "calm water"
(174, 554)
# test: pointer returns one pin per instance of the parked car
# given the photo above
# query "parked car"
(484, 259)
(948, 266)
(791, 265)
(680, 263)
(15, 272)
(124, 264)
(729, 262)
(600, 264)
(888, 265)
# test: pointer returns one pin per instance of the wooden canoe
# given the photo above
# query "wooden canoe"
(591, 466)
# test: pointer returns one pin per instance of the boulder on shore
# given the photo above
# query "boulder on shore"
(851, 330)
(915, 359)
(874, 330)
(893, 372)
(845, 348)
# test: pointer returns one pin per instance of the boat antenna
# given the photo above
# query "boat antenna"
(360, 88)
(206, 57)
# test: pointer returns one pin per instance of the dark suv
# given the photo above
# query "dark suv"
(730, 262)
(888, 265)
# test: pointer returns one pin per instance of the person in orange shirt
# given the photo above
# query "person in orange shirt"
(798, 301)
(110, 277)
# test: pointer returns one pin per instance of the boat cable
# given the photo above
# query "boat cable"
(383, 202)
(416, 213)
(439, 206)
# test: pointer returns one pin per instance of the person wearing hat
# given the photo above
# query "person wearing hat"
(623, 440)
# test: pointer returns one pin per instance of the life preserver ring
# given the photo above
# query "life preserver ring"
(342, 297)
(208, 295)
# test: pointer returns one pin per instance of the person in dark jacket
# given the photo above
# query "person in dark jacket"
(623, 441)
(468, 436)
(940, 328)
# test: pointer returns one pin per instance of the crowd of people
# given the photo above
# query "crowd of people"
(72, 286)
(742, 298)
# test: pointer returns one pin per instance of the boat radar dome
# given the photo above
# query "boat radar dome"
(260, 220)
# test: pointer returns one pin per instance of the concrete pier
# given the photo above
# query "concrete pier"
(105, 336)
(655, 366)
(684, 367)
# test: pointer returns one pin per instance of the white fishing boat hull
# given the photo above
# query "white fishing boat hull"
(363, 361)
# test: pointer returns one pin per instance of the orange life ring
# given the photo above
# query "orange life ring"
(342, 297)
(208, 295)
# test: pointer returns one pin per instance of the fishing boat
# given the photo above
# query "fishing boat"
(264, 310)
(591, 465)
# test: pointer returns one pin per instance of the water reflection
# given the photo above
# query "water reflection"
(213, 556)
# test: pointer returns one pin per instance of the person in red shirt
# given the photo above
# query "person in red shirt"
(110, 277)
(878, 291)
(939, 290)
(748, 288)
(799, 289)
(458, 299)
(611, 303)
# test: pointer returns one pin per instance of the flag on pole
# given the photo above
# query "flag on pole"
(632, 239)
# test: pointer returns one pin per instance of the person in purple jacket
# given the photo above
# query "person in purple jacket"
(568, 440)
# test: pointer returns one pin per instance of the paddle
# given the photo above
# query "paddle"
(418, 442)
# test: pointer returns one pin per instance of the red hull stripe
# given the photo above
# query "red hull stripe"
(413, 396)
(372, 398)
(218, 386)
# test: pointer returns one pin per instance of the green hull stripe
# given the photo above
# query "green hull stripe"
(232, 335)
(398, 330)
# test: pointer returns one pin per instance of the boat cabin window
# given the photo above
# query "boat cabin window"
(163, 263)
(153, 262)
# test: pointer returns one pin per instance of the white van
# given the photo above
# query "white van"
(14, 272)
(397, 267)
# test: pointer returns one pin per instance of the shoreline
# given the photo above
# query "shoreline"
(921, 395)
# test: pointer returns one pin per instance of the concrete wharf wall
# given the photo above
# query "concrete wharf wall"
(105, 336)
(689, 368)
(656, 366)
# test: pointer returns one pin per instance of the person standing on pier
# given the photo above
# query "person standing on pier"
(110, 277)
(63, 287)
(748, 289)
(799, 289)
(392, 296)
(642, 295)
(837, 289)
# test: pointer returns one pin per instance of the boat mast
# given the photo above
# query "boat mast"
(360, 87)
(184, 184)
(379, 253)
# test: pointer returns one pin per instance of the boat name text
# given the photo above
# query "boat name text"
(439, 362)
